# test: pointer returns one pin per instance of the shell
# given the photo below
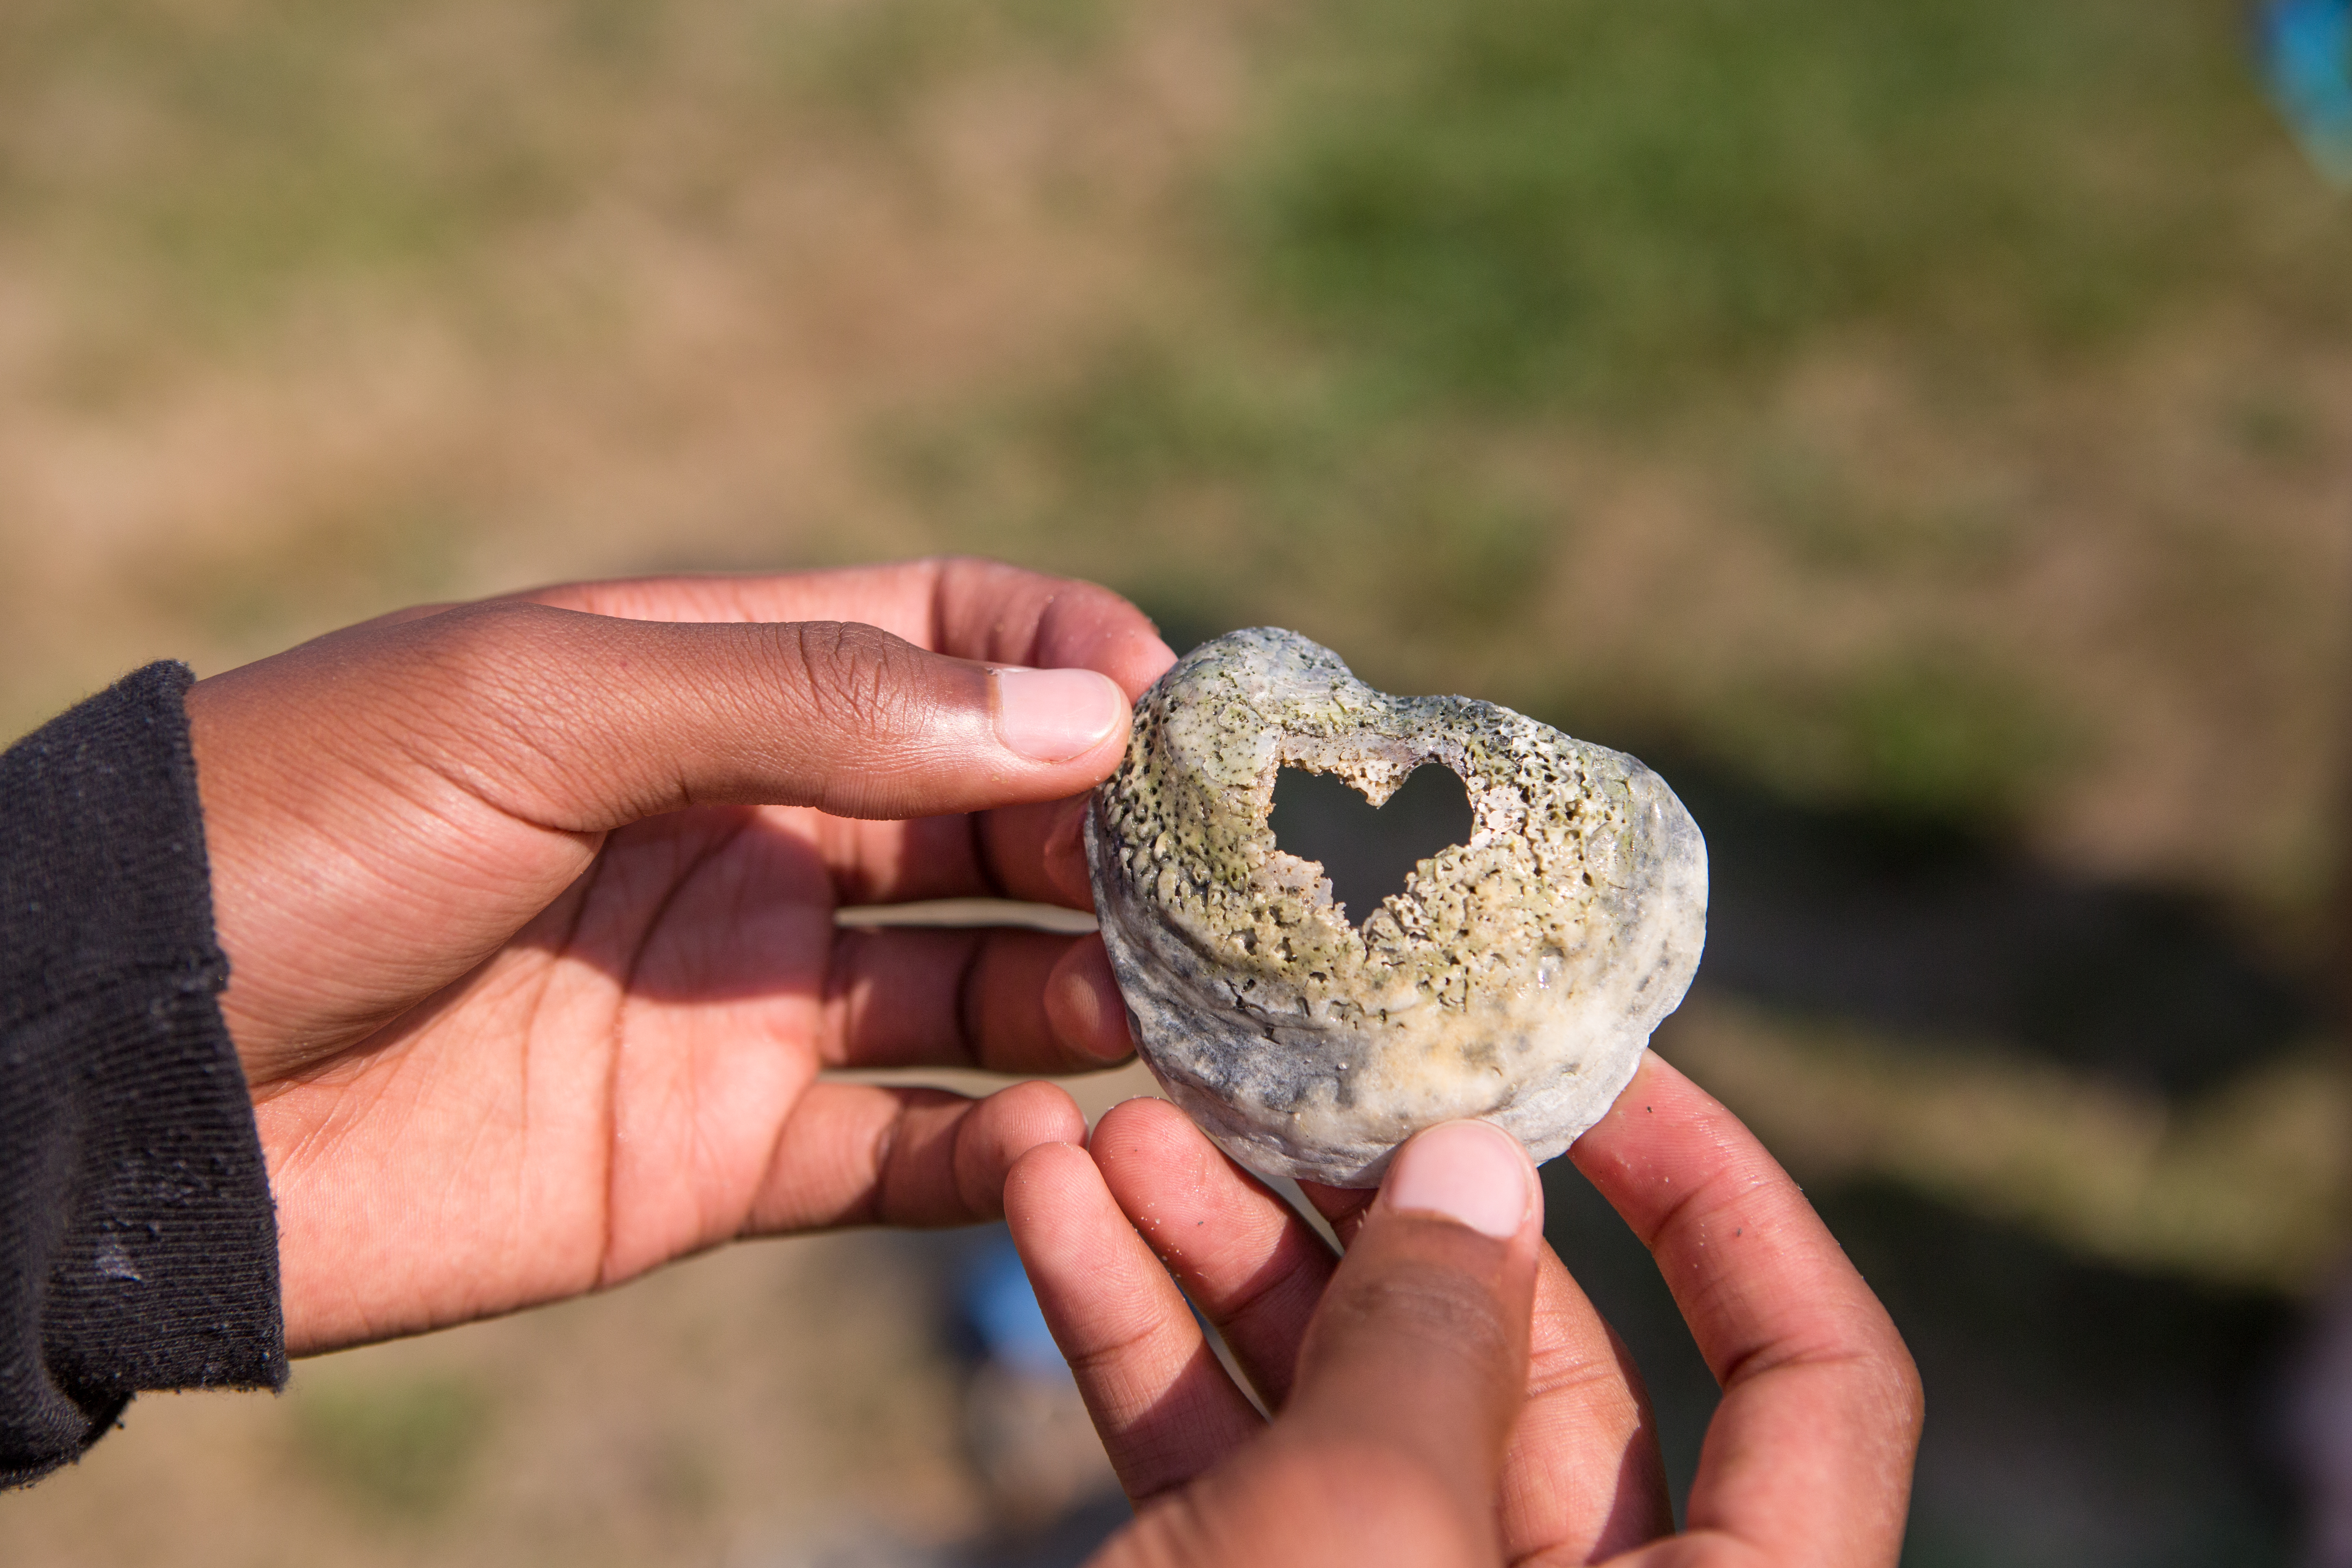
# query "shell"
(1516, 979)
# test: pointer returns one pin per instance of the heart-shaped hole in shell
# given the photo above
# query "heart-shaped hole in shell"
(1516, 977)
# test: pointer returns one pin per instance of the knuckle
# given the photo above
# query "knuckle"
(496, 623)
(857, 678)
(488, 661)
(501, 644)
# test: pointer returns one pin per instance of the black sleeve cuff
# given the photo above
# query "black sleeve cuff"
(138, 1245)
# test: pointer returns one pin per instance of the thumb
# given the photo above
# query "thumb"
(587, 723)
(1420, 1344)
(1411, 1374)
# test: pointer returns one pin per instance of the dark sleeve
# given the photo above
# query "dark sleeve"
(138, 1246)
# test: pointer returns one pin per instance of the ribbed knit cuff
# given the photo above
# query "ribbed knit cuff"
(138, 1244)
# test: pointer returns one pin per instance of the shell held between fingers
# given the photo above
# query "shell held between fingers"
(1517, 978)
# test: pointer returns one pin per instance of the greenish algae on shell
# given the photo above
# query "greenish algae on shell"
(1517, 978)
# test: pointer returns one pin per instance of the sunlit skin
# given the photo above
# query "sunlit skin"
(1397, 1417)
(530, 906)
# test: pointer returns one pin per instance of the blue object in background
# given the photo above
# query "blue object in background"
(996, 1299)
(2307, 56)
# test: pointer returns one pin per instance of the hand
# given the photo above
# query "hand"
(528, 908)
(1423, 1413)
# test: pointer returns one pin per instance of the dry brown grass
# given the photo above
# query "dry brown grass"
(676, 366)
(736, 1409)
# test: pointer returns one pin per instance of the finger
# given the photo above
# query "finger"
(1583, 1478)
(1164, 1408)
(1342, 1208)
(1033, 853)
(1036, 853)
(1039, 852)
(959, 606)
(1583, 1475)
(1808, 1457)
(853, 1154)
(1420, 1344)
(1409, 1380)
(1084, 1006)
(999, 999)
(581, 723)
(1253, 1268)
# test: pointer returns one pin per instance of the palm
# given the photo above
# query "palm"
(604, 1093)
(505, 1054)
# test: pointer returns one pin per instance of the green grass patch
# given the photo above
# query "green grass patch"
(224, 155)
(402, 1450)
(876, 58)
(1933, 733)
(1603, 206)
(1245, 495)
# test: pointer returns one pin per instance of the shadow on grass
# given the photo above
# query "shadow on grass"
(2077, 1413)
(1932, 929)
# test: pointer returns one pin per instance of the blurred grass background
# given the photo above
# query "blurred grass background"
(1924, 429)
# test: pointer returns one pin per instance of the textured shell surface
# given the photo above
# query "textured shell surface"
(1517, 977)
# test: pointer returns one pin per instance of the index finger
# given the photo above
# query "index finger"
(1808, 1457)
(959, 606)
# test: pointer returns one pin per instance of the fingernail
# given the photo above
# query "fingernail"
(1470, 1172)
(1053, 715)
